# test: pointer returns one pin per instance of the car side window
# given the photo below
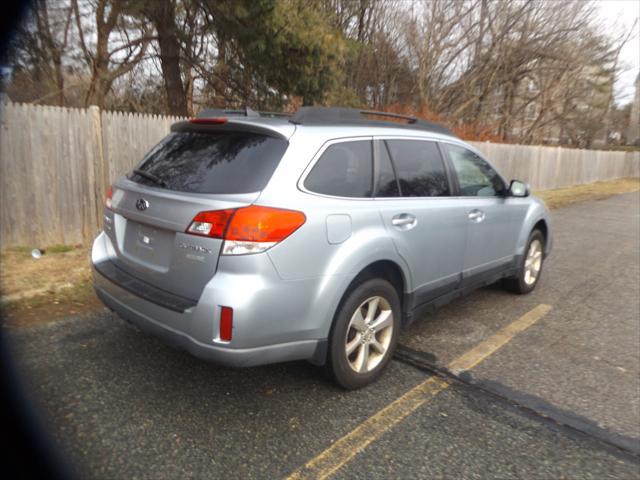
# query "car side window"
(345, 169)
(420, 169)
(387, 181)
(476, 178)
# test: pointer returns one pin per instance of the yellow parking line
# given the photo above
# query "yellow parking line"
(473, 357)
(371, 429)
(343, 450)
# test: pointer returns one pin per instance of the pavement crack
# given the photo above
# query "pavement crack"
(532, 406)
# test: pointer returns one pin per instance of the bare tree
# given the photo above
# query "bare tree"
(528, 71)
(120, 43)
(162, 15)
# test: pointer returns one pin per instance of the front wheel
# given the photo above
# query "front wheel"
(364, 334)
(530, 266)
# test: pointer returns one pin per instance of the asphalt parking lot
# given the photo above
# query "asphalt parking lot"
(559, 397)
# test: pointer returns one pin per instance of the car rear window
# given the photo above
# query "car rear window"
(345, 169)
(220, 162)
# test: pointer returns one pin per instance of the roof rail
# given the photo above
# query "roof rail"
(245, 112)
(274, 114)
(408, 118)
(353, 116)
(334, 116)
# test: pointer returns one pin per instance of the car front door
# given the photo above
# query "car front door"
(427, 226)
(493, 219)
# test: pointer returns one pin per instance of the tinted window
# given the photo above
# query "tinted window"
(387, 182)
(419, 167)
(223, 162)
(343, 170)
(475, 176)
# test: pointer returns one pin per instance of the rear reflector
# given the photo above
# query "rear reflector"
(209, 121)
(226, 323)
(246, 230)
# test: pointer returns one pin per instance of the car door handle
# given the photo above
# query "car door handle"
(404, 221)
(476, 215)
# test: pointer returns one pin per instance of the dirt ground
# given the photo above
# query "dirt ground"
(23, 276)
(59, 283)
(41, 290)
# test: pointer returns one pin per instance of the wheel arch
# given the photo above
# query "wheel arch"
(537, 217)
(384, 268)
(544, 229)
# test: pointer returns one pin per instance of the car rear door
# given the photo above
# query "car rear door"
(427, 226)
(187, 173)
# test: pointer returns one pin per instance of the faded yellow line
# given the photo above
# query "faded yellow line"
(473, 357)
(371, 429)
(343, 450)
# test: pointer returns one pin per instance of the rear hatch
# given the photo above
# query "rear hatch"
(194, 169)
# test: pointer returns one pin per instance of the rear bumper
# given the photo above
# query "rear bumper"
(142, 289)
(116, 298)
(262, 333)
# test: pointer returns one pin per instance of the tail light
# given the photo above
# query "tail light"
(107, 200)
(210, 224)
(252, 229)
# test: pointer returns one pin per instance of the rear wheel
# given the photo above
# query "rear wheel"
(530, 266)
(364, 334)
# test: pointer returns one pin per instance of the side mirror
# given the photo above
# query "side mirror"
(518, 189)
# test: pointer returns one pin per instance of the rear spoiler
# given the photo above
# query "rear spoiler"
(245, 112)
(228, 126)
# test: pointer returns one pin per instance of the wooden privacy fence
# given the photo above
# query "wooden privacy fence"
(56, 164)
(546, 167)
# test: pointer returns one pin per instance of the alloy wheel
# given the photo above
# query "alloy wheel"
(369, 334)
(533, 262)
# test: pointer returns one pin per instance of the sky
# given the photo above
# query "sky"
(617, 17)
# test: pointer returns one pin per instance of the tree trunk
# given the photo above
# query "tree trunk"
(97, 93)
(42, 13)
(100, 83)
(163, 17)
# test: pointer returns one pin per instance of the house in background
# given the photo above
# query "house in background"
(567, 108)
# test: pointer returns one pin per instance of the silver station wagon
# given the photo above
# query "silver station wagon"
(249, 238)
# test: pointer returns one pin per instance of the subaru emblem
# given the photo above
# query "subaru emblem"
(142, 204)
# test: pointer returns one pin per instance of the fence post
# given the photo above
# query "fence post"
(98, 173)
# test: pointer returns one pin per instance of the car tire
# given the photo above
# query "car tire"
(364, 334)
(530, 266)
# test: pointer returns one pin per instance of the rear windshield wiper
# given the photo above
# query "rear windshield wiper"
(152, 177)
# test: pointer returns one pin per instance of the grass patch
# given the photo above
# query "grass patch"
(23, 250)
(59, 248)
(41, 290)
(20, 250)
(561, 197)
(22, 276)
